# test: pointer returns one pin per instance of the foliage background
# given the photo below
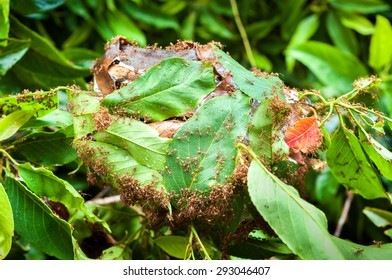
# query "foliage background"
(321, 45)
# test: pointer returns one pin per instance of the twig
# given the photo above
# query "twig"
(114, 199)
(102, 193)
(105, 200)
(344, 215)
(243, 34)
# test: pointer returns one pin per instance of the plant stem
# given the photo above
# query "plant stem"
(207, 256)
(340, 118)
(243, 34)
(358, 109)
(344, 215)
(189, 251)
(312, 93)
(8, 156)
(105, 200)
(328, 115)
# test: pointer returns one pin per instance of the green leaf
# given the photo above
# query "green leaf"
(141, 140)
(362, 6)
(326, 189)
(38, 72)
(44, 183)
(79, 8)
(150, 16)
(79, 35)
(342, 37)
(58, 118)
(330, 65)
(49, 148)
(117, 252)
(175, 87)
(10, 124)
(37, 224)
(357, 22)
(388, 232)
(380, 52)
(380, 155)
(299, 224)
(123, 221)
(10, 84)
(379, 217)
(84, 106)
(260, 29)
(40, 103)
(120, 24)
(353, 251)
(187, 31)
(202, 152)
(26, 7)
(44, 66)
(6, 222)
(266, 139)
(111, 162)
(81, 57)
(273, 244)
(262, 61)
(292, 13)
(11, 54)
(304, 31)
(258, 246)
(4, 21)
(348, 163)
(258, 88)
(44, 47)
(216, 26)
(175, 246)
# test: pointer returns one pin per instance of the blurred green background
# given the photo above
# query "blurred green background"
(321, 44)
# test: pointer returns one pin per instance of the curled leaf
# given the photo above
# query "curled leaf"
(305, 136)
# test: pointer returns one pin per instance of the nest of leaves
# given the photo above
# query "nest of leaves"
(164, 127)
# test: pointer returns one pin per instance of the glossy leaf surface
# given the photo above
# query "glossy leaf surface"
(10, 124)
(258, 88)
(175, 87)
(142, 141)
(350, 166)
(6, 222)
(330, 65)
(36, 222)
(299, 224)
(201, 154)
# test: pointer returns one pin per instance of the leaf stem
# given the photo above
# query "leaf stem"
(312, 93)
(243, 34)
(193, 230)
(358, 109)
(328, 115)
(255, 157)
(189, 251)
(8, 156)
(340, 118)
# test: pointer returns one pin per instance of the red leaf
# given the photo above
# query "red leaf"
(305, 136)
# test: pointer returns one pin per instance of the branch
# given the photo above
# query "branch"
(344, 215)
(114, 199)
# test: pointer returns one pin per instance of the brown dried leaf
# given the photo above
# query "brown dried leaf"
(168, 128)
